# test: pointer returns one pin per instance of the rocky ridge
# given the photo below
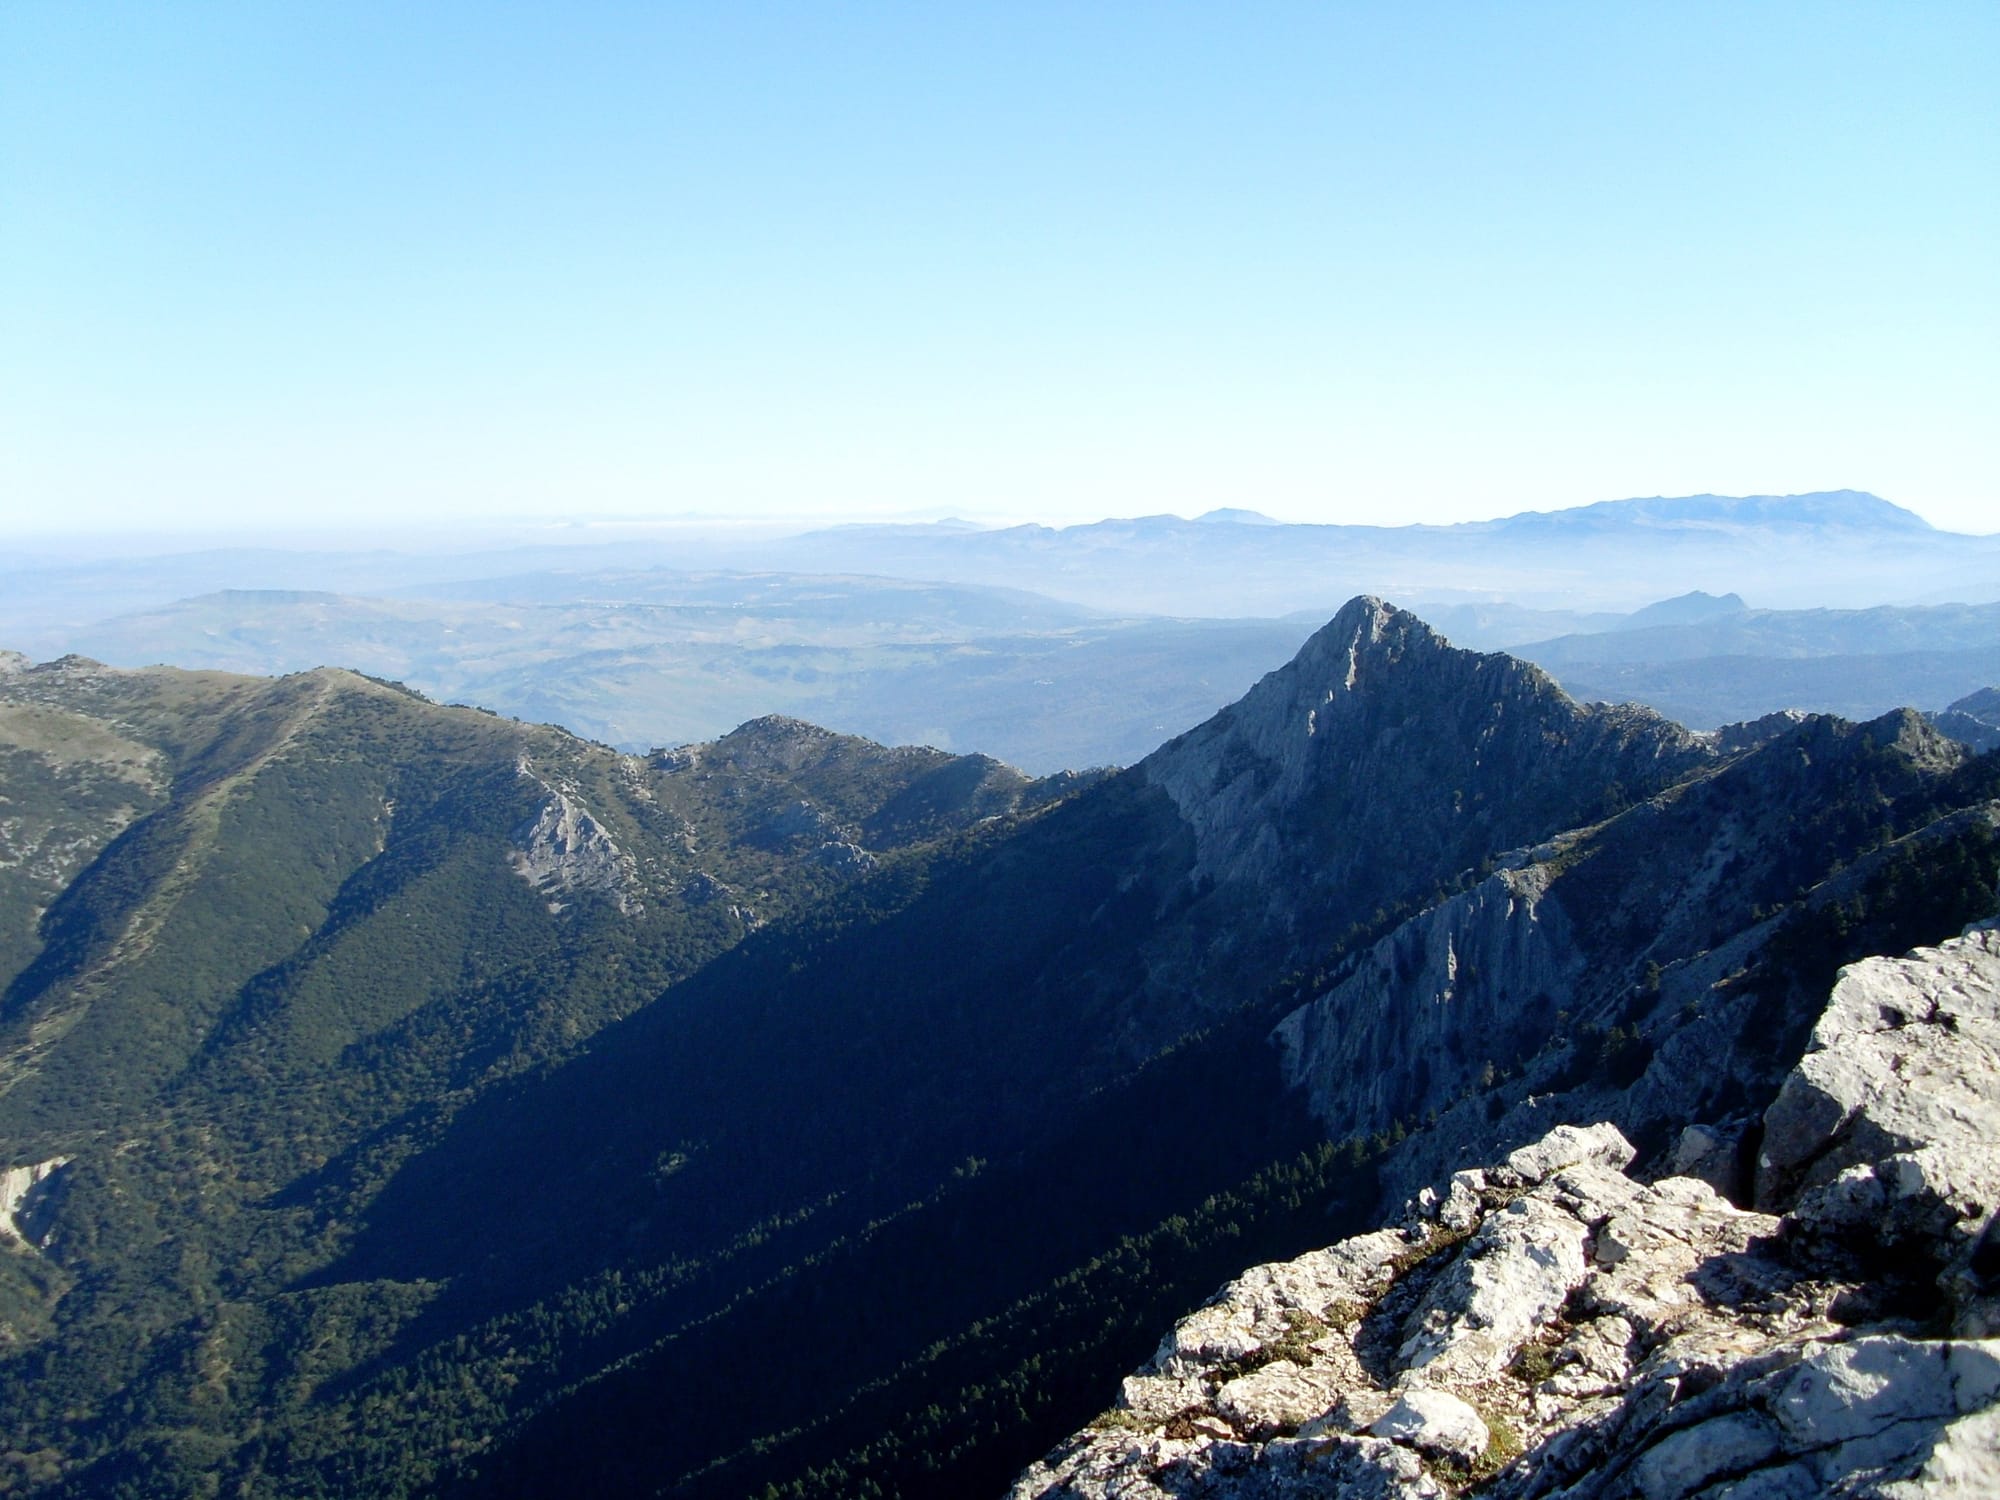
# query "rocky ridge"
(1974, 720)
(1555, 1325)
(1360, 781)
(1379, 719)
(1651, 925)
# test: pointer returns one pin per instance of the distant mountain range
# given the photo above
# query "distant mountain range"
(1688, 628)
(1786, 551)
(1074, 647)
(1839, 548)
(645, 658)
(639, 658)
(1740, 663)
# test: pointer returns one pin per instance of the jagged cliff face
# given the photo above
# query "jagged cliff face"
(1554, 1325)
(1645, 922)
(1381, 757)
(1427, 1012)
(1379, 766)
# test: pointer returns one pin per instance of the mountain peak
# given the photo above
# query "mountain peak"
(73, 663)
(1381, 749)
(1368, 628)
(1821, 510)
(1686, 609)
(1228, 515)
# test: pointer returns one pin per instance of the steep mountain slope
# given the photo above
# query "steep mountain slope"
(1974, 720)
(311, 919)
(1616, 925)
(446, 1099)
(1369, 770)
(1479, 1023)
(1400, 673)
(1380, 757)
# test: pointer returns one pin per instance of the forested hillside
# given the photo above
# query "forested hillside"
(420, 1101)
(266, 939)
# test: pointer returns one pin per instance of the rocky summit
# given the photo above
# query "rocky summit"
(1554, 1325)
(1381, 753)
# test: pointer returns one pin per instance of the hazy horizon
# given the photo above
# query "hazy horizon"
(499, 531)
(367, 265)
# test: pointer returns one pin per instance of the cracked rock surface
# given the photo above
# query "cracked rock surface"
(1552, 1327)
(1888, 1131)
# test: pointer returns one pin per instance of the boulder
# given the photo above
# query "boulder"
(1434, 1422)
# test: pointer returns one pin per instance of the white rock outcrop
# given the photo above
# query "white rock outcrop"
(1434, 1422)
(564, 852)
(1604, 1338)
(1889, 1127)
(24, 1192)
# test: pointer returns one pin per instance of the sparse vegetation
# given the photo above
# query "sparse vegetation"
(1503, 1446)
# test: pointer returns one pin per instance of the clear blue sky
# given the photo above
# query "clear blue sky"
(1336, 262)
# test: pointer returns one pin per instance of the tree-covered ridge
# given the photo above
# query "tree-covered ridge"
(297, 940)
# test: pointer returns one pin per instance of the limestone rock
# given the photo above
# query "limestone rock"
(1569, 1146)
(1336, 715)
(1459, 970)
(1632, 1339)
(25, 1197)
(1380, 755)
(1514, 1275)
(701, 888)
(1886, 1128)
(797, 822)
(1975, 734)
(847, 859)
(1355, 1468)
(563, 851)
(1716, 1155)
(1279, 1398)
(1554, 1326)
(1881, 1415)
(1460, 1209)
(1253, 1310)
(1733, 739)
(1983, 705)
(1974, 720)
(1434, 1422)
(1901, 1058)
(1600, 975)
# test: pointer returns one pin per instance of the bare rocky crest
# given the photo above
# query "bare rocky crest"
(1552, 1326)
